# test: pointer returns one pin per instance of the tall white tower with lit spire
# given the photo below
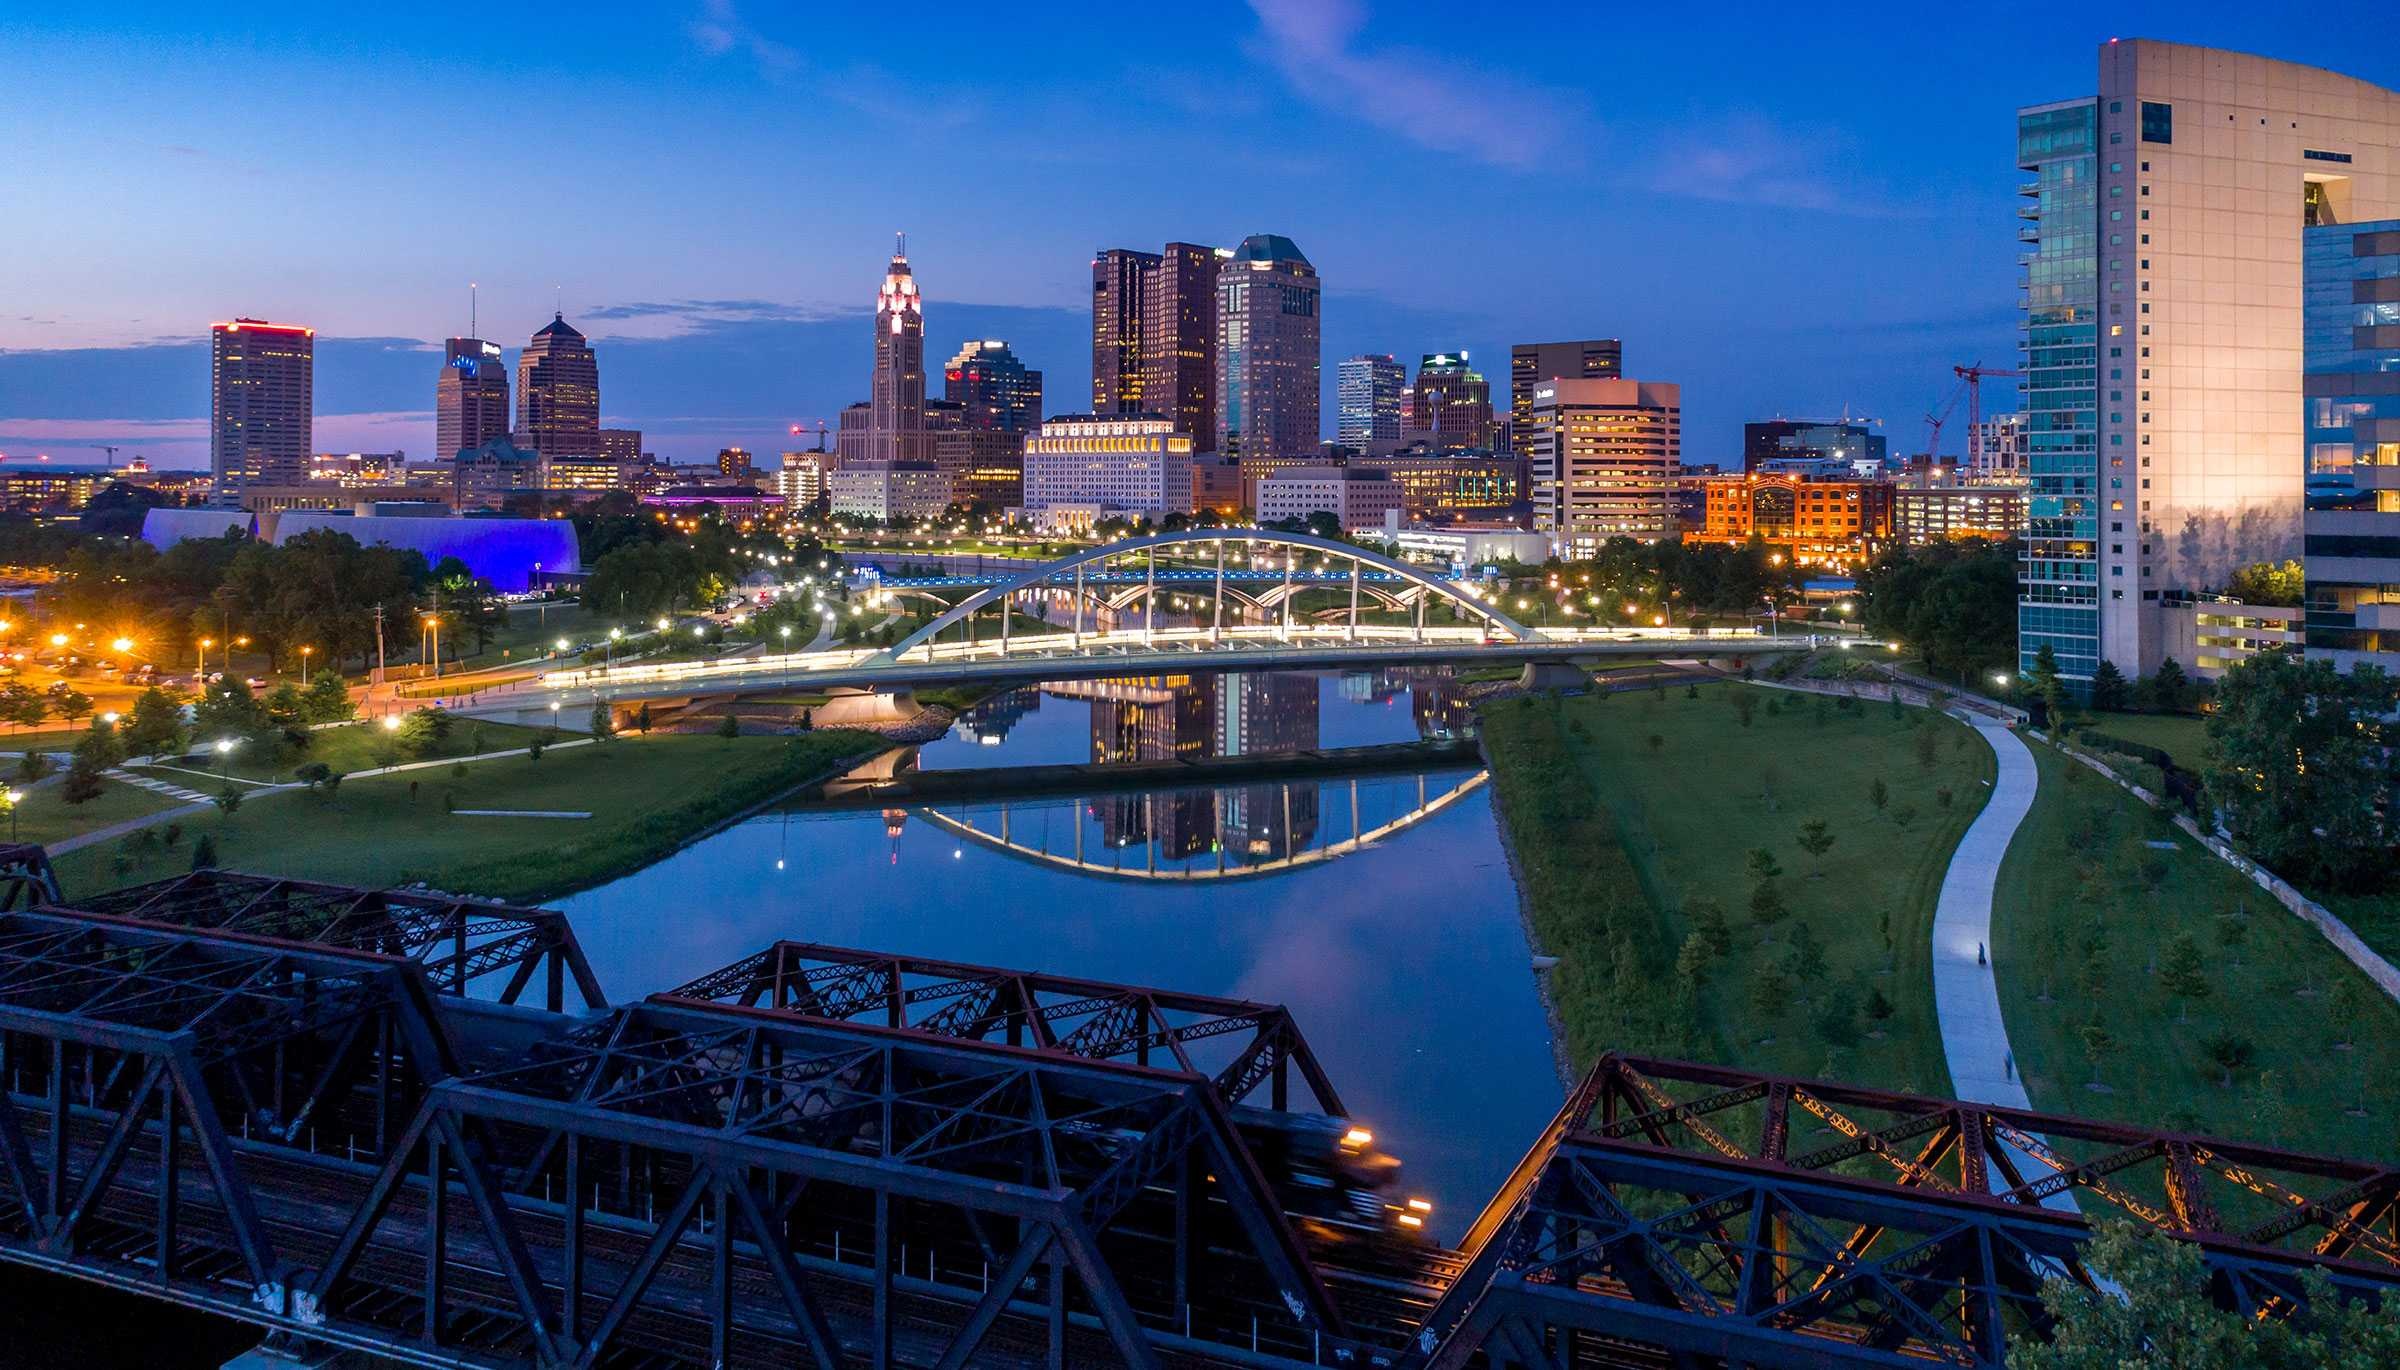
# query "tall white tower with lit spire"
(896, 399)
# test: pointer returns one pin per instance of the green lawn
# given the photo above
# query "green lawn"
(648, 797)
(1655, 830)
(44, 817)
(2082, 862)
(528, 633)
(358, 747)
(2181, 736)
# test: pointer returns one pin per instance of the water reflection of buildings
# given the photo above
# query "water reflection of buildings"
(988, 722)
(1152, 718)
(1267, 714)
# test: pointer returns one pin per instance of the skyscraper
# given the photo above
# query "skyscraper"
(262, 404)
(1120, 278)
(1179, 341)
(558, 393)
(1366, 393)
(470, 400)
(994, 388)
(1267, 345)
(1529, 364)
(2163, 328)
(896, 393)
(1604, 460)
(2353, 405)
(1453, 402)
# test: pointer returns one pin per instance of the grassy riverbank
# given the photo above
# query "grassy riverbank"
(647, 797)
(2095, 889)
(1622, 841)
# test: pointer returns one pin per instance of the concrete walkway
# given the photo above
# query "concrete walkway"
(1966, 995)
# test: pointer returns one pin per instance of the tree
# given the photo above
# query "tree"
(2098, 1043)
(1878, 794)
(2155, 1309)
(69, 702)
(1816, 838)
(2170, 691)
(204, 853)
(328, 699)
(102, 744)
(1692, 959)
(1804, 959)
(82, 783)
(604, 721)
(1836, 1019)
(2183, 973)
(1762, 864)
(155, 728)
(22, 705)
(2269, 583)
(1770, 994)
(2110, 692)
(2230, 1051)
(2048, 687)
(2344, 1009)
(424, 731)
(1879, 1010)
(1656, 742)
(1745, 704)
(227, 800)
(227, 710)
(729, 726)
(1927, 744)
(533, 749)
(1904, 815)
(1707, 918)
(2300, 757)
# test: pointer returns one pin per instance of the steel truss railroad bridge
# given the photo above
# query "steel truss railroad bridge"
(308, 1108)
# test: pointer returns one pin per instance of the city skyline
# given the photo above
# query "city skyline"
(1865, 230)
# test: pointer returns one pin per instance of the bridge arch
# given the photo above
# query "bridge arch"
(1359, 556)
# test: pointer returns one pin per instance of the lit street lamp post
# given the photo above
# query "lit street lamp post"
(304, 655)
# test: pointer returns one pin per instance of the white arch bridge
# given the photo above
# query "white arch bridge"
(958, 647)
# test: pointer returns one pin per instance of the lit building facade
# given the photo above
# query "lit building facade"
(39, 487)
(1179, 340)
(888, 491)
(1940, 513)
(1360, 499)
(1120, 281)
(1082, 467)
(470, 397)
(801, 479)
(484, 477)
(1453, 403)
(1366, 391)
(1604, 459)
(1815, 522)
(359, 468)
(594, 474)
(1998, 448)
(1530, 364)
(558, 393)
(2352, 546)
(993, 389)
(262, 404)
(1447, 485)
(1267, 356)
(985, 465)
(2163, 345)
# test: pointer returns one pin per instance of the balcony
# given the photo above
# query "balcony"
(2029, 189)
(2029, 234)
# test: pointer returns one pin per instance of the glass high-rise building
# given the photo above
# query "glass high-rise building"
(1366, 392)
(470, 398)
(262, 404)
(558, 393)
(2161, 245)
(1120, 279)
(1154, 336)
(1836, 440)
(995, 391)
(2352, 527)
(1267, 356)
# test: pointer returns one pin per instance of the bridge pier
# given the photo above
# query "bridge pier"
(851, 706)
(1552, 675)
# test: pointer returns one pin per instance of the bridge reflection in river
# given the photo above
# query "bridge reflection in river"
(1395, 941)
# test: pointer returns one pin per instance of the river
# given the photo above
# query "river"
(1402, 956)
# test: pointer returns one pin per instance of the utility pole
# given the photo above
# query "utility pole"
(378, 644)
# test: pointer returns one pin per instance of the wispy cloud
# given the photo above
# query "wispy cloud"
(1750, 160)
(1319, 48)
(721, 31)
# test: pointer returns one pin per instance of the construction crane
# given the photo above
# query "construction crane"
(1972, 378)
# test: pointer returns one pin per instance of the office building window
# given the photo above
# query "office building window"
(2158, 122)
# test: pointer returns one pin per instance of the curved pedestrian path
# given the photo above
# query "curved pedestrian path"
(1966, 993)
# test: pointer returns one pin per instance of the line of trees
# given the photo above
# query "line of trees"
(1953, 603)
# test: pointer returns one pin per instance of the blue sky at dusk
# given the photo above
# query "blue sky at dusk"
(1783, 208)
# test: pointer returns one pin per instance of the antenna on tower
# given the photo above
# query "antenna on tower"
(471, 316)
(902, 249)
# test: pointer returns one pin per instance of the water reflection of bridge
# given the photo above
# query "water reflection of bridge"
(1274, 829)
(1188, 767)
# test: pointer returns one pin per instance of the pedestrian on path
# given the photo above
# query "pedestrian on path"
(1979, 954)
(2009, 1063)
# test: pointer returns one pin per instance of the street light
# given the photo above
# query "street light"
(304, 655)
(200, 672)
(225, 746)
(122, 645)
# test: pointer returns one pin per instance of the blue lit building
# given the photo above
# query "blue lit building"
(2352, 388)
(2058, 587)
